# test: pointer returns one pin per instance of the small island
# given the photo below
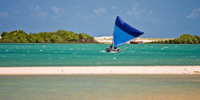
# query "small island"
(60, 36)
(63, 36)
(183, 39)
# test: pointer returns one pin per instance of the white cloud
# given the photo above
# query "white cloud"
(150, 12)
(135, 11)
(78, 14)
(194, 14)
(37, 8)
(42, 14)
(156, 21)
(16, 11)
(99, 11)
(38, 12)
(57, 10)
(113, 7)
(3, 14)
(129, 13)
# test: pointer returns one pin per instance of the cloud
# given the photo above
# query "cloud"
(150, 12)
(99, 11)
(156, 21)
(38, 12)
(37, 8)
(135, 11)
(42, 14)
(3, 14)
(17, 11)
(129, 13)
(78, 14)
(113, 7)
(194, 14)
(58, 11)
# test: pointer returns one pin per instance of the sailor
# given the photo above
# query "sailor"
(115, 48)
(111, 46)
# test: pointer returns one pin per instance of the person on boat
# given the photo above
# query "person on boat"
(111, 46)
(115, 48)
(109, 49)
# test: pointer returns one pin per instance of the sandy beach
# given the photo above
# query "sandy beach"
(108, 39)
(100, 70)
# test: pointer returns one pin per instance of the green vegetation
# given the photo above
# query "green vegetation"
(60, 36)
(183, 39)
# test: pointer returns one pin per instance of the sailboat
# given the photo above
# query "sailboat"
(122, 33)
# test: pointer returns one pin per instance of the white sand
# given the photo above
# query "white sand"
(108, 39)
(100, 70)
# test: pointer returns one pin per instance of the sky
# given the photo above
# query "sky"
(156, 18)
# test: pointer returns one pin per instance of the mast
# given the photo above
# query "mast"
(113, 34)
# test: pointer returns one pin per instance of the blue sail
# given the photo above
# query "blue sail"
(124, 32)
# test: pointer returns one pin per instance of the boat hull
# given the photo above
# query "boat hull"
(136, 42)
(113, 50)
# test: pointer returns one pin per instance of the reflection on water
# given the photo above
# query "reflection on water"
(100, 87)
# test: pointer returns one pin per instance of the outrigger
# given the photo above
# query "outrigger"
(122, 33)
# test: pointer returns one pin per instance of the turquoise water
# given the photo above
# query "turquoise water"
(100, 87)
(95, 55)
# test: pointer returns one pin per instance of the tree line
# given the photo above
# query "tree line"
(60, 36)
(183, 39)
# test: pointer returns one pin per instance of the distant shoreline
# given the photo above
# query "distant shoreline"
(183, 39)
(108, 39)
(73, 70)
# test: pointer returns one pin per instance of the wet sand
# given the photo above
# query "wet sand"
(99, 70)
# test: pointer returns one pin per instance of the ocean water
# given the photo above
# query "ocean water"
(95, 55)
(100, 87)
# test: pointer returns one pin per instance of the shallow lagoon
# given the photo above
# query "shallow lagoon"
(100, 87)
(96, 55)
